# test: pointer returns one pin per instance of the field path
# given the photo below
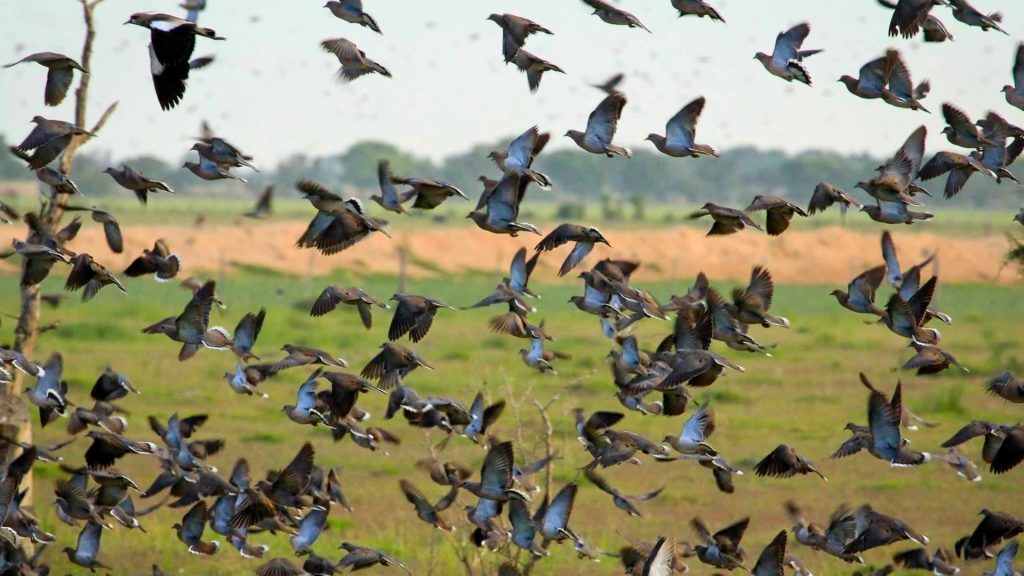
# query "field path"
(821, 256)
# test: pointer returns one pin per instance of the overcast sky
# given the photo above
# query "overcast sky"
(272, 90)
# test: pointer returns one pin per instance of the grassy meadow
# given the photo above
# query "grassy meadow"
(802, 396)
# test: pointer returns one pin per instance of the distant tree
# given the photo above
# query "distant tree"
(359, 164)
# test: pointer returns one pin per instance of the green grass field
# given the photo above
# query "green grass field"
(541, 209)
(802, 395)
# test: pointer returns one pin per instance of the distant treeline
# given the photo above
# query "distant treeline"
(732, 179)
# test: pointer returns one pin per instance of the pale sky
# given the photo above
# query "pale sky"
(272, 90)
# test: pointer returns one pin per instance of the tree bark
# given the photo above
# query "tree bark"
(15, 421)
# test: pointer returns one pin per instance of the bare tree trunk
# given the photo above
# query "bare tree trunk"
(14, 417)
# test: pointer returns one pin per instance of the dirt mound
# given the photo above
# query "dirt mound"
(822, 256)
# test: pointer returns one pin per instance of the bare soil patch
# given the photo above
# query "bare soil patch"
(821, 256)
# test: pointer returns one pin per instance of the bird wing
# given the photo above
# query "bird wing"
(956, 118)
(294, 478)
(780, 463)
(661, 558)
(58, 80)
(603, 121)
(851, 446)
(884, 422)
(862, 288)
(728, 538)
(89, 541)
(972, 430)
(699, 426)
(556, 517)
(521, 150)
(562, 234)
(496, 472)
(681, 129)
(518, 274)
(194, 523)
(306, 398)
(872, 75)
(196, 316)
(898, 75)
(579, 252)
(787, 44)
(894, 273)
(770, 562)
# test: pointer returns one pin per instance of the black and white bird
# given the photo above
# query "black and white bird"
(172, 41)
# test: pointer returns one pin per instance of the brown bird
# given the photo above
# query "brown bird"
(896, 175)
(825, 195)
(515, 324)
(534, 66)
(391, 364)
(780, 212)
(939, 564)
(680, 136)
(601, 126)
(515, 30)
(190, 531)
(424, 509)
(354, 62)
(305, 355)
(332, 296)
(90, 274)
(1015, 93)
(994, 527)
(1006, 386)
(191, 326)
(429, 193)
(860, 294)
(60, 73)
(899, 90)
(414, 315)
(339, 223)
(959, 167)
(727, 220)
(49, 138)
(128, 177)
(111, 229)
(875, 529)
(930, 359)
(698, 8)
(584, 237)
(784, 462)
(909, 16)
(721, 549)
(159, 261)
(751, 304)
(615, 16)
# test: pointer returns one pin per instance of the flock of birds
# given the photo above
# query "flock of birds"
(298, 498)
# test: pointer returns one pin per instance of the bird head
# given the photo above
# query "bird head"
(139, 19)
(575, 299)
(850, 81)
(762, 57)
(1008, 88)
(863, 185)
(574, 134)
(850, 426)
(596, 235)
(495, 18)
